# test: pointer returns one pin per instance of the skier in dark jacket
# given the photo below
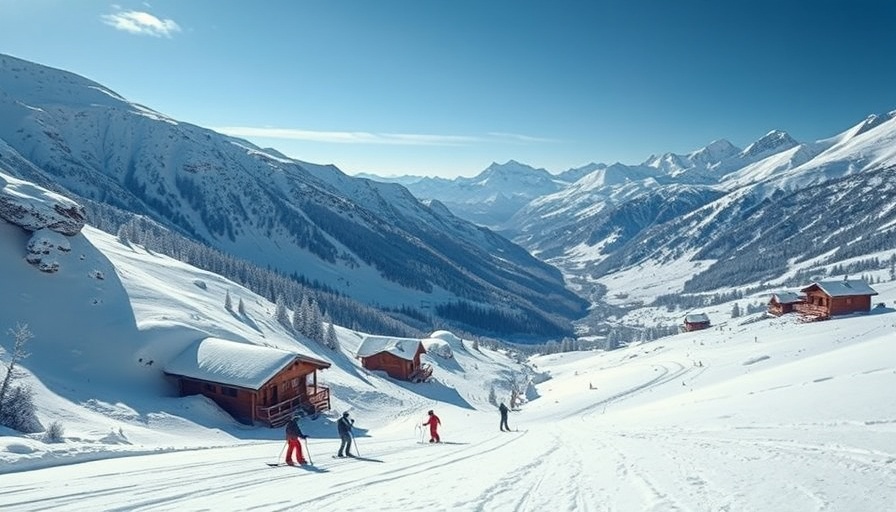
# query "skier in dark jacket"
(293, 434)
(345, 433)
(503, 409)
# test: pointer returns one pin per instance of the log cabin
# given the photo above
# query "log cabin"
(825, 299)
(253, 383)
(696, 322)
(398, 357)
(782, 303)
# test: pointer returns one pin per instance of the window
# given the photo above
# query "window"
(211, 388)
(228, 391)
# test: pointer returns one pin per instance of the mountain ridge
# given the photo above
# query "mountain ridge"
(374, 242)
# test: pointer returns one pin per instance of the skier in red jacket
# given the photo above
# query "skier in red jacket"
(433, 423)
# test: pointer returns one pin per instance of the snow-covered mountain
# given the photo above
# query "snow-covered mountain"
(731, 216)
(492, 196)
(838, 203)
(371, 241)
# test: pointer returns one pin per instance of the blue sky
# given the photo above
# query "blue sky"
(447, 87)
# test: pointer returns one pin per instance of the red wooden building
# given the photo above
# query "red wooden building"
(696, 321)
(253, 383)
(398, 357)
(784, 302)
(825, 299)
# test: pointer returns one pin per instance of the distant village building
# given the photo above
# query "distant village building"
(253, 383)
(782, 303)
(398, 357)
(825, 299)
(696, 321)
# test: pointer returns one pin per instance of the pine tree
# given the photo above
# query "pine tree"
(735, 311)
(281, 314)
(304, 314)
(228, 303)
(241, 307)
(332, 340)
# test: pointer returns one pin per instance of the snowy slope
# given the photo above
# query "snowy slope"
(120, 314)
(750, 415)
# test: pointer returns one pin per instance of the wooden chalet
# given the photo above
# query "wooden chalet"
(253, 383)
(825, 299)
(782, 303)
(696, 322)
(398, 357)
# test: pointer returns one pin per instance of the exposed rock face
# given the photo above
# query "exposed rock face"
(44, 249)
(34, 208)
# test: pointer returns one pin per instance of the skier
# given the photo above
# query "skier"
(433, 423)
(345, 432)
(293, 433)
(503, 409)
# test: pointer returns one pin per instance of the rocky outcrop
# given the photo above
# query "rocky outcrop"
(34, 208)
(44, 249)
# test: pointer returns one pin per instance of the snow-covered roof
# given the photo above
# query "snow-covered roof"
(696, 318)
(843, 288)
(787, 297)
(233, 363)
(404, 348)
(446, 336)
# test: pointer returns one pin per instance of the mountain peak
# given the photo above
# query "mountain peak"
(772, 142)
(714, 152)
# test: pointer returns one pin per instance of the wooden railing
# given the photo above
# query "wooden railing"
(812, 310)
(278, 414)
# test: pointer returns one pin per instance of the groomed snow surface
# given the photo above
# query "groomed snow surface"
(765, 415)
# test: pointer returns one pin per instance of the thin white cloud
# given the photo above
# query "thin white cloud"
(407, 139)
(141, 23)
(517, 137)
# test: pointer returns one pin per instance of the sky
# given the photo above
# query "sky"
(445, 88)
(751, 415)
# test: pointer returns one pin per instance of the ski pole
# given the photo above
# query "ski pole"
(281, 453)
(358, 453)
(308, 451)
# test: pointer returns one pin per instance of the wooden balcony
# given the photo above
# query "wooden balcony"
(314, 402)
(814, 311)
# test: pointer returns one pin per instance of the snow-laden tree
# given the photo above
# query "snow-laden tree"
(228, 302)
(281, 314)
(331, 341)
(16, 401)
(735, 310)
